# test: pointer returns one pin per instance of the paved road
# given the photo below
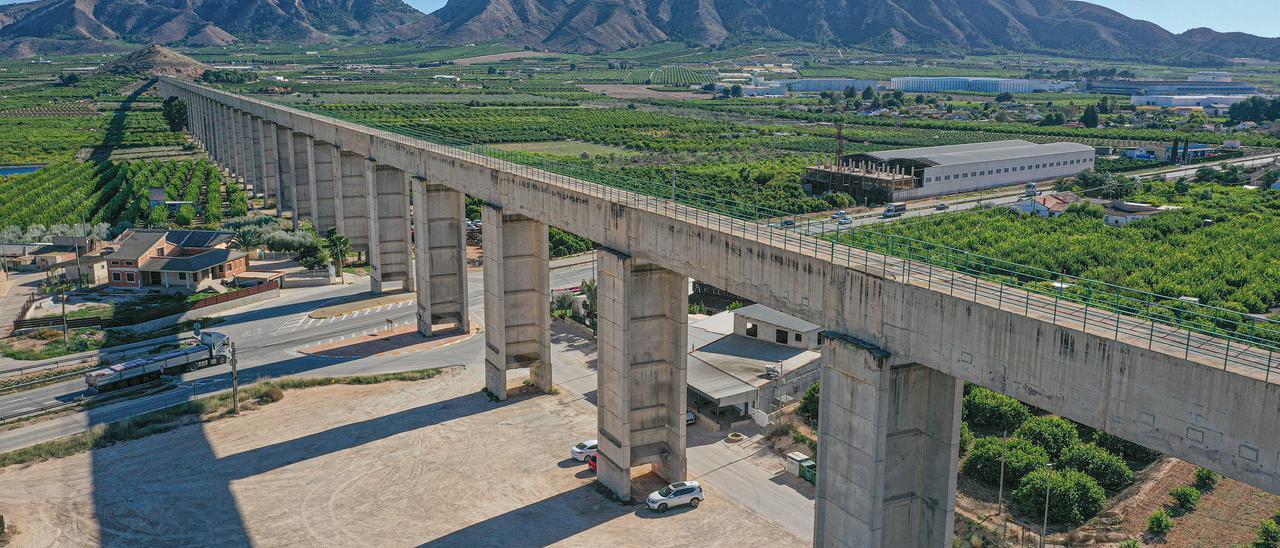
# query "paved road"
(266, 340)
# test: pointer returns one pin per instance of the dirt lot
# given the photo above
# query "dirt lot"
(394, 464)
(636, 91)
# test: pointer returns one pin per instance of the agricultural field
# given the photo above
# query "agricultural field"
(1230, 263)
(114, 193)
(565, 148)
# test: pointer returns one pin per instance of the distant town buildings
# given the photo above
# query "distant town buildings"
(918, 84)
(896, 175)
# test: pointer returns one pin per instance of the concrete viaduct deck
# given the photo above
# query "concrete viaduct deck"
(901, 336)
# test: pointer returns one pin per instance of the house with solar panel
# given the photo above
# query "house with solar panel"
(174, 259)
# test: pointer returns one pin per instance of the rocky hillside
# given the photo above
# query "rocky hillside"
(155, 61)
(1053, 26)
(46, 24)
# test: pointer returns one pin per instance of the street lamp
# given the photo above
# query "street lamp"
(1048, 486)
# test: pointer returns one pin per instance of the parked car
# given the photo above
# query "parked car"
(676, 494)
(591, 461)
(583, 450)
(845, 221)
(942, 207)
(788, 223)
(689, 417)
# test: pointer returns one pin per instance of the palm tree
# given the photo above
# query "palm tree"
(339, 248)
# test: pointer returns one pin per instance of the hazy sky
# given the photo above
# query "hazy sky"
(1252, 16)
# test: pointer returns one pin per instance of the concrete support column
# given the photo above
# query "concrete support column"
(889, 449)
(354, 203)
(440, 253)
(252, 165)
(393, 229)
(245, 146)
(220, 135)
(642, 376)
(326, 166)
(304, 171)
(284, 163)
(371, 218)
(517, 299)
(259, 167)
(270, 171)
(235, 148)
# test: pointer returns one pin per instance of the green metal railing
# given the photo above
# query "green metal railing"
(1203, 333)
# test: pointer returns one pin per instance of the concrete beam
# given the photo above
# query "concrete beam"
(517, 297)
(642, 375)
(889, 449)
(440, 260)
(328, 185)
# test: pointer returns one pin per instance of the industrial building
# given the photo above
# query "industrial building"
(1169, 87)
(906, 174)
(1212, 105)
(916, 84)
(813, 85)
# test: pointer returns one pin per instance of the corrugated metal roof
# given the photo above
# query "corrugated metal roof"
(971, 153)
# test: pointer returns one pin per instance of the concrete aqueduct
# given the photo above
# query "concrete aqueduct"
(901, 337)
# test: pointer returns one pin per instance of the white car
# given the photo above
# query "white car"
(676, 494)
(583, 450)
(845, 221)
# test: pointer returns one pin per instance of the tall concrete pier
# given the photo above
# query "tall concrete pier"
(901, 336)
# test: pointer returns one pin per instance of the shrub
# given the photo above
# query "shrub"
(809, 402)
(271, 395)
(1159, 523)
(1110, 471)
(1125, 448)
(1185, 498)
(1021, 457)
(1268, 535)
(992, 411)
(1054, 434)
(966, 438)
(1206, 479)
(1130, 544)
(1074, 496)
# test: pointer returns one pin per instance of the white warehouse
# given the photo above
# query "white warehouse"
(893, 175)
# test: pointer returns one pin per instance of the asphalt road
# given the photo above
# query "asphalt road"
(266, 339)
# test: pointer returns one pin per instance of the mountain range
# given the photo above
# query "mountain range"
(1066, 27)
(1038, 26)
(46, 25)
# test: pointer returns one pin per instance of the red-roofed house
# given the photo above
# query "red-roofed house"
(193, 259)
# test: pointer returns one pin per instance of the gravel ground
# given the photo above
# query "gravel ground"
(394, 464)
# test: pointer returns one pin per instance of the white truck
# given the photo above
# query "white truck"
(895, 209)
(210, 349)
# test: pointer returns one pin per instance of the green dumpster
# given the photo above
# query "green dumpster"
(809, 471)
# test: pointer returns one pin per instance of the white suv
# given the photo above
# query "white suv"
(583, 450)
(676, 494)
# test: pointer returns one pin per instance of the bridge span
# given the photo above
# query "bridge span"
(902, 335)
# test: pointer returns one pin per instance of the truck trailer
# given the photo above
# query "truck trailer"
(210, 349)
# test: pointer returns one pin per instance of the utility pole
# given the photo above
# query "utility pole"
(1048, 486)
(235, 382)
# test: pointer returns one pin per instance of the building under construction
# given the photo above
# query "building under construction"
(906, 174)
